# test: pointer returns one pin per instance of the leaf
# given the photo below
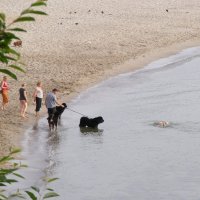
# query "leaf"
(24, 19)
(25, 166)
(31, 195)
(5, 158)
(9, 73)
(2, 16)
(9, 36)
(17, 68)
(18, 175)
(11, 181)
(11, 58)
(51, 180)
(17, 29)
(33, 12)
(2, 196)
(36, 189)
(2, 25)
(14, 150)
(15, 164)
(50, 189)
(19, 195)
(38, 3)
(3, 58)
(50, 194)
(6, 171)
(12, 51)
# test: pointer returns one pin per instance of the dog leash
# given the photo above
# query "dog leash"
(77, 112)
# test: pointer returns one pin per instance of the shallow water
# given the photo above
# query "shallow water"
(128, 158)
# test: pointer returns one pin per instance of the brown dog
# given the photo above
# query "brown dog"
(18, 43)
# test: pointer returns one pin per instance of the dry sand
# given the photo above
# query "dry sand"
(83, 42)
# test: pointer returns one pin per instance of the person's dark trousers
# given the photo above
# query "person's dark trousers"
(38, 104)
(51, 112)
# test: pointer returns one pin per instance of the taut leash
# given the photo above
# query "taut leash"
(77, 112)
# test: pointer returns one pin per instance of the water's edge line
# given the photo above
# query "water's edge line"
(130, 66)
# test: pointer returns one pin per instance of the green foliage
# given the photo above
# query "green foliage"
(34, 193)
(9, 57)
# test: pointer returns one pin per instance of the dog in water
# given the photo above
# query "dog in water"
(90, 122)
(60, 109)
(161, 124)
(53, 119)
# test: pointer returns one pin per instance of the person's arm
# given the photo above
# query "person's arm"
(34, 95)
(58, 103)
(4, 86)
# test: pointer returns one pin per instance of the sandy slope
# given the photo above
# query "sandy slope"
(82, 42)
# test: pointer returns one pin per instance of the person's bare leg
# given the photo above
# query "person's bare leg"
(2, 107)
(21, 108)
(25, 108)
(37, 114)
(5, 105)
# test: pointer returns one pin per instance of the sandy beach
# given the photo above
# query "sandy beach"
(82, 42)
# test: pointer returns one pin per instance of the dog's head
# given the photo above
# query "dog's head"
(65, 105)
(99, 119)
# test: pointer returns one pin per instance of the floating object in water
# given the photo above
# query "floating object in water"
(161, 124)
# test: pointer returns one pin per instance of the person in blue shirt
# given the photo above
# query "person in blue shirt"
(51, 102)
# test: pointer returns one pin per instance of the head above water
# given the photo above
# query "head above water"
(99, 119)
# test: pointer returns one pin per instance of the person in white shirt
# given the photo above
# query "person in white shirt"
(38, 96)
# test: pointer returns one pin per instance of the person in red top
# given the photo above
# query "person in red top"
(4, 89)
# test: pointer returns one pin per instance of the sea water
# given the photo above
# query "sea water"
(127, 158)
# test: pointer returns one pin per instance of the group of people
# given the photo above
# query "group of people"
(37, 96)
(50, 100)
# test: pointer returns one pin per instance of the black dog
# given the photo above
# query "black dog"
(92, 123)
(53, 119)
(60, 110)
(51, 123)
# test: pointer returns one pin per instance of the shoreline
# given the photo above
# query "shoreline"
(127, 67)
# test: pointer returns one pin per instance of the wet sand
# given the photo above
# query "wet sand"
(81, 43)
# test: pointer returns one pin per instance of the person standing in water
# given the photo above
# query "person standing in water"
(4, 92)
(38, 96)
(51, 102)
(23, 100)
